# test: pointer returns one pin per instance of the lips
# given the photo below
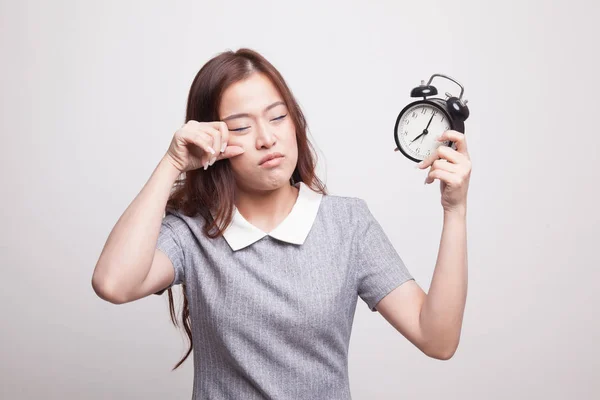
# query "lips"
(269, 157)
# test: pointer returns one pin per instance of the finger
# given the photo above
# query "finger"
(218, 141)
(449, 154)
(429, 160)
(444, 165)
(195, 137)
(231, 151)
(212, 130)
(458, 138)
(209, 129)
(445, 176)
(200, 138)
(202, 135)
(203, 140)
(221, 132)
(222, 126)
(442, 152)
(192, 123)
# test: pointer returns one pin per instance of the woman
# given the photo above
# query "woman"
(271, 266)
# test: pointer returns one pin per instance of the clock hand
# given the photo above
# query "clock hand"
(430, 119)
(425, 131)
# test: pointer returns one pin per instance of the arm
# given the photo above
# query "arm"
(442, 313)
(433, 321)
(129, 251)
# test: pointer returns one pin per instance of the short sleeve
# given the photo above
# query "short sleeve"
(169, 243)
(379, 268)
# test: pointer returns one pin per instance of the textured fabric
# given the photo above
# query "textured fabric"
(273, 320)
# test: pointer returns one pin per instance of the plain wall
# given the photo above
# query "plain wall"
(92, 93)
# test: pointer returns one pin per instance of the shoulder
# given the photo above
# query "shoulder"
(182, 224)
(173, 218)
(345, 208)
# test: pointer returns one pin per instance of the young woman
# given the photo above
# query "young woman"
(271, 266)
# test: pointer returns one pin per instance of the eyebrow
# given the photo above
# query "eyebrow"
(243, 115)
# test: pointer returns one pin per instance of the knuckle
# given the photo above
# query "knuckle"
(181, 132)
(203, 137)
(208, 137)
(208, 131)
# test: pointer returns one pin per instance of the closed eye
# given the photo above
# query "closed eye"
(246, 127)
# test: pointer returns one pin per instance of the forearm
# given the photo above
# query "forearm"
(442, 312)
(129, 249)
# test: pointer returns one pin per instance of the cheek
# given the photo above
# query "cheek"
(239, 163)
(242, 142)
(293, 144)
(293, 153)
(290, 137)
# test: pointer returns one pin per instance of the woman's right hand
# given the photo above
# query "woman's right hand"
(200, 144)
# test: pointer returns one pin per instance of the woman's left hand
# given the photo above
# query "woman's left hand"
(452, 168)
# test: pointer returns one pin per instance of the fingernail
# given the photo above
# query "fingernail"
(212, 161)
(418, 165)
(211, 150)
(223, 147)
(205, 165)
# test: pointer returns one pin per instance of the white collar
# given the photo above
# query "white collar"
(293, 229)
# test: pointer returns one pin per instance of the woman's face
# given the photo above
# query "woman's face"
(259, 122)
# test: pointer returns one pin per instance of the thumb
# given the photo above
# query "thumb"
(231, 151)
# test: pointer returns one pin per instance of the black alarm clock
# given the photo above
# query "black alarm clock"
(420, 123)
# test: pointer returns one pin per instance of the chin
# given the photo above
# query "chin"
(273, 181)
(276, 181)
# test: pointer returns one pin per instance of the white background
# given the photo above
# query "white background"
(92, 93)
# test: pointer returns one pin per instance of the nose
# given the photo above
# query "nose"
(265, 137)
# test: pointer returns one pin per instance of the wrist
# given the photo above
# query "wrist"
(169, 168)
(458, 211)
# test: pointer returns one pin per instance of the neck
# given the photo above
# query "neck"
(266, 209)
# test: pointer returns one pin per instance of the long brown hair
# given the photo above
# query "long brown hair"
(200, 192)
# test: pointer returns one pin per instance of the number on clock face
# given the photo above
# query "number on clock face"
(412, 125)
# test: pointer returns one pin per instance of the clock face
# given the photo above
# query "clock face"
(418, 128)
